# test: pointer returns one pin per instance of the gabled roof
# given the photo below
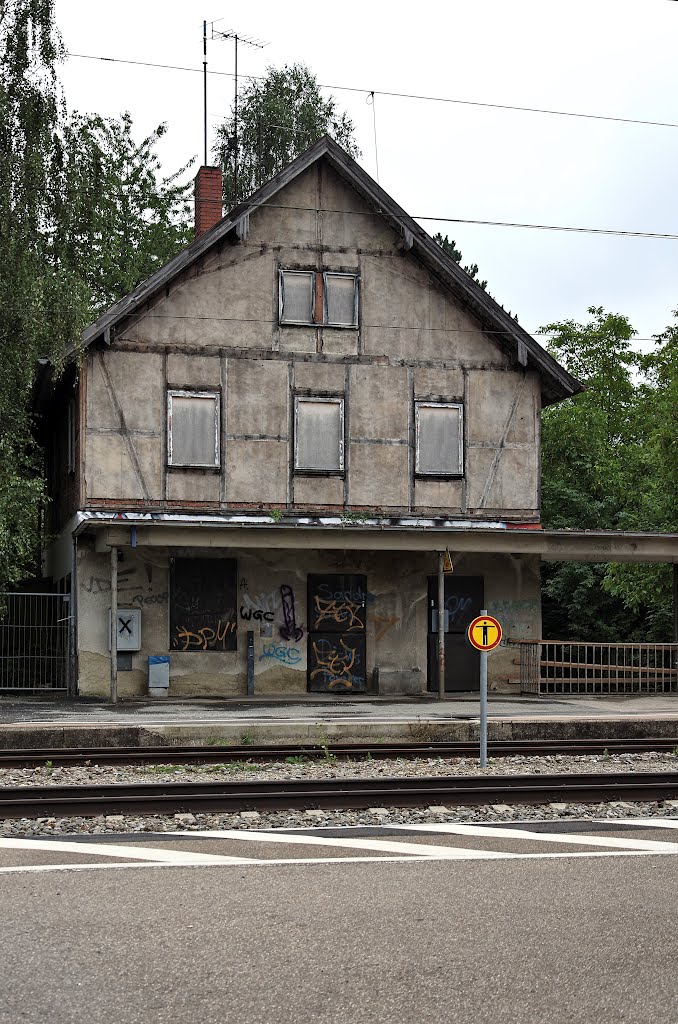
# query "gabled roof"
(557, 383)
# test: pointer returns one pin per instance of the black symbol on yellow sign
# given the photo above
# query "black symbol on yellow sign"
(484, 633)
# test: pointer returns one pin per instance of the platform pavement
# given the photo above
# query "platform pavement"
(38, 722)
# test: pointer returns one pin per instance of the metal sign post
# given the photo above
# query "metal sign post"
(484, 633)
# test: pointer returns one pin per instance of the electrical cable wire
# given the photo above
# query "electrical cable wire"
(437, 218)
(396, 95)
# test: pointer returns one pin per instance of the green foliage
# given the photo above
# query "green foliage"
(609, 463)
(83, 219)
(120, 220)
(450, 248)
(278, 119)
(39, 295)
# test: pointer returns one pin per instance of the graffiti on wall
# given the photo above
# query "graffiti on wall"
(257, 614)
(276, 651)
(336, 664)
(206, 638)
(382, 624)
(290, 630)
(342, 612)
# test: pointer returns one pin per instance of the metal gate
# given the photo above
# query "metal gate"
(35, 642)
(336, 633)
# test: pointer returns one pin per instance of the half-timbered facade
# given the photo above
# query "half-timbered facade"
(275, 435)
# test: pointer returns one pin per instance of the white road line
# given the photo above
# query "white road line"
(648, 822)
(115, 850)
(647, 845)
(376, 845)
(219, 862)
(278, 862)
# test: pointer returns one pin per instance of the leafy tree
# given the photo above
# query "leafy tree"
(278, 119)
(40, 299)
(605, 468)
(450, 247)
(119, 219)
(82, 220)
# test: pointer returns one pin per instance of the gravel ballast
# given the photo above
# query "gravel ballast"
(331, 769)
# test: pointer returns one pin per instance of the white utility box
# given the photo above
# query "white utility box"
(158, 675)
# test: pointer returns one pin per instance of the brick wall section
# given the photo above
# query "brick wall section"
(208, 211)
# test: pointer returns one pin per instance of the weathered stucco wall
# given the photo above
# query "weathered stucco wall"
(218, 327)
(396, 641)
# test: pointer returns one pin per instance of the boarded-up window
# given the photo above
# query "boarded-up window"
(341, 300)
(439, 439)
(193, 428)
(296, 296)
(203, 604)
(319, 435)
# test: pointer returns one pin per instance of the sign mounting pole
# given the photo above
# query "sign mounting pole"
(483, 700)
(484, 633)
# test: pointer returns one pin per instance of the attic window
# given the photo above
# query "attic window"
(313, 297)
(341, 299)
(193, 428)
(297, 296)
(439, 439)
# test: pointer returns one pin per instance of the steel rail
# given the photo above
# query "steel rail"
(301, 794)
(72, 756)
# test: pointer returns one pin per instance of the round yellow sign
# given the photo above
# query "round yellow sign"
(484, 633)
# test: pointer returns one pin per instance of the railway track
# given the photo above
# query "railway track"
(71, 756)
(356, 794)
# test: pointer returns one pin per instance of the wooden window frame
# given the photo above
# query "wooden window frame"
(443, 474)
(215, 395)
(330, 399)
(319, 305)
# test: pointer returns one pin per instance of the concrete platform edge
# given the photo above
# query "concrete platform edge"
(33, 736)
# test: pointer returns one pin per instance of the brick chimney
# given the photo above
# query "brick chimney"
(208, 210)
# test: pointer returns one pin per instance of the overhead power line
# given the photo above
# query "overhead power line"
(624, 233)
(398, 95)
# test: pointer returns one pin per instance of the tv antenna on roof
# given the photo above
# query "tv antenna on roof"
(237, 38)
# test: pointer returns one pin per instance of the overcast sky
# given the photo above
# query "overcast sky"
(613, 57)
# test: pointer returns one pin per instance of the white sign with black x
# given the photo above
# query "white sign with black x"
(129, 629)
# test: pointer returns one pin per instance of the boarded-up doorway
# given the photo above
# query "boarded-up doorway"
(464, 597)
(337, 605)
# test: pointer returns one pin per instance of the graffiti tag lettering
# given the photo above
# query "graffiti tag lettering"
(358, 596)
(335, 664)
(140, 599)
(290, 631)
(280, 652)
(257, 613)
(203, 639)
(346, 613)
(383, 623)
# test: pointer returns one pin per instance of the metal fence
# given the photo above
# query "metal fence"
(569, 667)
(35, 642)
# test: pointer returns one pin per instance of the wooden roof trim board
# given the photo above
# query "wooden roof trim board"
(557, 383)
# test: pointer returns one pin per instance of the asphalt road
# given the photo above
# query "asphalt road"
(572, 938)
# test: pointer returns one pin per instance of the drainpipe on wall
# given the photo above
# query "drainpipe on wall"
(114, 625)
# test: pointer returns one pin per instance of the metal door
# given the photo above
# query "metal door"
(464, 597)
(336, 633)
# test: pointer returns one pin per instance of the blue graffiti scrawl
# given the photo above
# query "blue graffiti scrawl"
(290, 631)
(280, 652)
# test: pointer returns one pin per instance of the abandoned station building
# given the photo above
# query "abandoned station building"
(257, 455)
